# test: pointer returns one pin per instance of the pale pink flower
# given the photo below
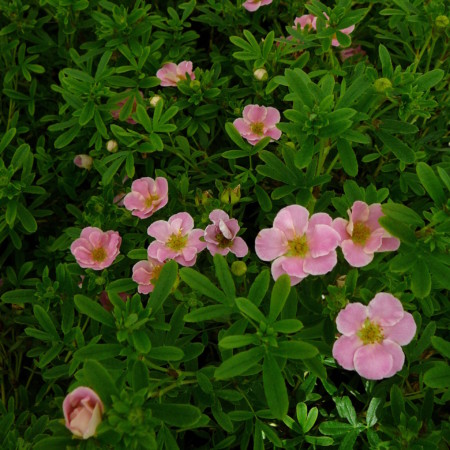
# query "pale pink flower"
(221, 236)
(253, 5)
(176, 239)
(145, 273)
(351, 51)
(96, 249)
(307, 21)
(82, 412)
(83, 161)
(170, 74)
(298, 246)
(362, 236)
(372, 336)
(115, 113)
(147, 196)
(335, 42)
(258, 122)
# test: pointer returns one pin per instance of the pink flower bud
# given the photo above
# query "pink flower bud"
(112, 146)
(83, 161)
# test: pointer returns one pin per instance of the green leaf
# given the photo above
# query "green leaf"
(7, 138)
(298, 83)
(87, 113)
(430, 79)
(224, 276)
(202, 284)
(371, 416)
(345, 409)
(398, 229)
(98, 352)
(420, 279)
(259, 287)
(234, 135)
(94, 310)
(250, 310)
(403, 214)
(122, 284)
(239, 363)
(348, 157)
(109, 173)
(19, 296)
(397, 147)
(386, 63)
(45, 321)
(178, 415)
(431, 183)
(163, 286)
(212, 312)
(397, 403)
(304, 156)
(295, 350)
(438, 377)
(138, 253)
(166, 353)
(141, 341)
(263, 199)
(11, 212)
(280, 292)
(139, 376)
(99, 379)
(441, 345)
(238, 341)
(287, 326)
(275, 387)
(26, 218)
(67, 137)
(335, 428)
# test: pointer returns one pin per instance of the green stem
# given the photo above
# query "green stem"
(161, 392)
(422, 51)
(430, 54)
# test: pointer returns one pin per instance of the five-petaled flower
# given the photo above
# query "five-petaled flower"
(146, 273)
(372, 337)
(253, 5)
(147, 196)
(258, 122)
(96, 249)
(82, 412)
(221, 236)
(176, 239)
(298, 246)
(170, 74)
(362, 235)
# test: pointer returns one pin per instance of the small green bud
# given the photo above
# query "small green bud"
(382, 85)
(231, 196)
(260, 74)
(100, 281)
(238, 268)
(195, 84)
(441, 22)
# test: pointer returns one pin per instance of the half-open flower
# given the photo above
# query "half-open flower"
(145, 274)
(372, 337)
(170, 74)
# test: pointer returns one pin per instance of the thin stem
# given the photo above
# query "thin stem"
(422, 51)
(161, 392)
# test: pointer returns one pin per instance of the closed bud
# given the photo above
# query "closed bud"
(382, 85)
(238, 268)
(195, 85)
(231, 196)
(83, 161)
(112, 146)
(260, 74)
(154, 100)
(441, 22)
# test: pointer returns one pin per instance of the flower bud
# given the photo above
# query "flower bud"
(154, 100)
(238, 268)
(231, 196)
(260, 74)
(195, 85)
(382, 85)
(112, 146)
(83, 161)
(441, 22)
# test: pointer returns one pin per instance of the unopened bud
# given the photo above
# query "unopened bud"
(231, 196)
(260, 74)
(195, 84)
(83, 161)
(382, 85)
(441, 22)
(238, 268)
(154, 100)
(112, 146)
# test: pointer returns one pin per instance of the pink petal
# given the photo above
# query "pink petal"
(134, 200)
(277, 270)
(143, 186)
(214, 248)
(320, 265)
(250, 5)
(210, 234)
(272, 117)
(344, 351)
(274, 133)
(161, 187)
(322, 239)
(239, 247)
(385, 309)
(180, 259)
(320, 218)
(389, 244)
(375, 213)
(292, 220)
(189, 253)
(403, 331)
(398, 357)
(226, 232)
(373, 361)
(374, 241)
(194, 239)
(340, 225)
(355, 254)
(145, 289)
(160, 230)
(183, 67)
(293, 266)
(270, 244)
(159, 251)
(217, 215)
(359, 212)
(350, 319)
(242, 126)
(255, 113)
(184, 221)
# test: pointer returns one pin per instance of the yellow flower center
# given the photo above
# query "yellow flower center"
(177, 242)
(99, 254)
(371, 333)
(222, 241)
(360, 233)
(150, 200)
(257, 128)
(298, 246)
(156, 273)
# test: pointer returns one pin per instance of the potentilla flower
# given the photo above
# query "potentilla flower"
(258, 122)
(362, 235)
(221, 236)
(351, 51)
(298, 246)
(83, 161)
(307, 21)
(82, 412)
(115, 113)
(170, 74)
(176, 239)
(147, 196)
(96, 249)
(372, 337)
(253, 5)
(145, 274)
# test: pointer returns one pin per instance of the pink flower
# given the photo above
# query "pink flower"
(253, 5)
(82, 412)
(176, 239)
(96, 249)
(372, 336)
(221, 236)
(351, 51)
(257, 123)
(115, 113)
(298, 246)
(145, 273)
(307, 21)
(362, 236)
(106, 302)
(83, 161)
(147, 196)
(170, 74)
